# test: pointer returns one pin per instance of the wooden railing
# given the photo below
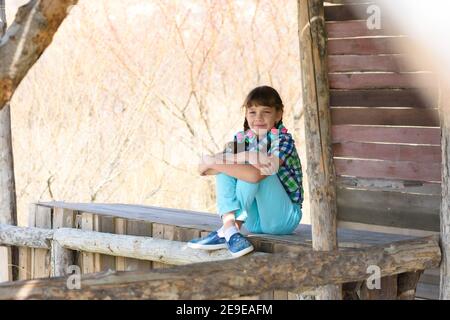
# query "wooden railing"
(248, 275)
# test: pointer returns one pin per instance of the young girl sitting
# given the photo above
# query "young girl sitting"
(258, 177)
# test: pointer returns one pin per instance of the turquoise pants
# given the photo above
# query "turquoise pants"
(265, 207)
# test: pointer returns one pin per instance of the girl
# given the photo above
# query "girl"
(260, 182)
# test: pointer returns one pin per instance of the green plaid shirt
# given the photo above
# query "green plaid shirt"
(290, 172)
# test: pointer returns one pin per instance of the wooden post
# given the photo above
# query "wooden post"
(60, 257)
(407, 285)
(444, 108)
(320, 168)
(40, 264)
(8, 215)
(87, 258)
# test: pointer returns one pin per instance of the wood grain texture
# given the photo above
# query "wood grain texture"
(392, 152)
(381, 80)
(404, 170)
(368, 46)
(389, 208)
(385, 116)
(41, 257)
(365, 63)
(358, 28)
(403, 98)
(360, 133)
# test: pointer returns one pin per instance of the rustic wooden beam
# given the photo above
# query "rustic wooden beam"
(137, 247)
(444, 108)
(320, 168)
(245, 276)
(25, 236)
(61, 258)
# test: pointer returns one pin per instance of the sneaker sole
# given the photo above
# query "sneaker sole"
(207, 246)
(242, 252)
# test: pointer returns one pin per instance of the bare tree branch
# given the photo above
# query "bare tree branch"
(26, 39)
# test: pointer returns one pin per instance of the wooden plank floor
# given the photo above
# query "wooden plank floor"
(347, 238)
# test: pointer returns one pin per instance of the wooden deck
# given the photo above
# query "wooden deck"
(201, 221)
(208, 222)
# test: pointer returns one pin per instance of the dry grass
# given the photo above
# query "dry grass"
(130, 93)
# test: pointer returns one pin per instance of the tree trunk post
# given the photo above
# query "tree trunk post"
(444, 108)
(320, 167)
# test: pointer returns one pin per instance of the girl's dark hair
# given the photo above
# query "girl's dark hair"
(263, 96)
(260, 96)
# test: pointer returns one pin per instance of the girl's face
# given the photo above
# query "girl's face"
(262, 118)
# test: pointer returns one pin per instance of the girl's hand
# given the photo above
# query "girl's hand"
(205, 164)
(268, 165)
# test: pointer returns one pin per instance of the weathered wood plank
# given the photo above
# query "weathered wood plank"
(424, 135)
(41, 257)
(358, 28)
(105, 262)
(138, 248)
(206, 221)
(384, 169)
(404, 98)
(394, 209)
(138, 228)
(31, 237)
(381, 80)
(6, 262)
(385, 116)
(287, 272)
(368, 46)
(372, 63)
(406, 186)
(87, 258)
(350, 11)
(392, 152)
(61, 258)
(120, 228)
(162, 231)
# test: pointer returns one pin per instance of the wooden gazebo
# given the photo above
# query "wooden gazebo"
(377, 162)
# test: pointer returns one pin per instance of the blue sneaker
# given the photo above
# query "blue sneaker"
(239, 245)
(211, 242)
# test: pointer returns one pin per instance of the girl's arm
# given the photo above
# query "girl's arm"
(235, 165)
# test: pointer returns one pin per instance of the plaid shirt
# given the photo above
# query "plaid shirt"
(290, 172)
